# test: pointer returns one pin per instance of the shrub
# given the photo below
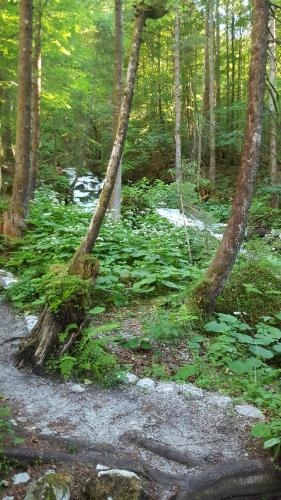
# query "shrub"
(253, 288)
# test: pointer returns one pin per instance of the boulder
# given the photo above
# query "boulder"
(52, 486)
(114, 483)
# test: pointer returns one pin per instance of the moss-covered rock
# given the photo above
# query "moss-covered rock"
(115, 483)
(51, 487)
(254, 288)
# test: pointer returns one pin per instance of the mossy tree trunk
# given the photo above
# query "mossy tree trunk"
(206, 293)
(43, 339)
(14, 219)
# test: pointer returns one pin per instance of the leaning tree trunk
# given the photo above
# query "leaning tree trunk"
(206, 293)
(43, 339)
(14, 219)
(115, 200)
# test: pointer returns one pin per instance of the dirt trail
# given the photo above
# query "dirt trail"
(163, 430)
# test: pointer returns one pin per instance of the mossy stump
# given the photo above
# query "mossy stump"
(68, 296)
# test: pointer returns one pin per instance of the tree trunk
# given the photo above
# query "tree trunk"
(218, 55)
(36, 98)
(207, 292)
(115, 201)
(7, 156)
(43, 339)
(177, 100)
(143, 12)
(212, 170)
(14, 219)
(272, 104)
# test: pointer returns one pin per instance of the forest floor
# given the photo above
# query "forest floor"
(174, 438)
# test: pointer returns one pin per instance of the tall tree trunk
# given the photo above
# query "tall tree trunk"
(272, 103)
(218, 55)
(206, 91)
(7, 154)
(115, 200)
(207, 292)
(177, 100)
(212, 170)
(228, 128)
(36, 98)
(43, 339)
(14, 219)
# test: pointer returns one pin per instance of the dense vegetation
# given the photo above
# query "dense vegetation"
(149, 267)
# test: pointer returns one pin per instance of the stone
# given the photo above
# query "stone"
(100, 467)
(218, 400)
(55, 486)
(8, 498)
(146, 384)
(22, 419)
(190, 391)
(30, 321)
(114, 483)
(77, 388)
(249, 411)
(48, 432)
(166, 387)
(21, 478)
(129, 379)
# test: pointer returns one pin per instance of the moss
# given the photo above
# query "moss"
(66, 292)
(254, 287)
(51, 487)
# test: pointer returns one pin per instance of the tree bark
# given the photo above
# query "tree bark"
(7, 153)
(36, 98)
(143, 12)
(272, 123)
(218, 55)
(177, 101)
(207, 292)
(115, 201)
(212, 131)
(14, 219)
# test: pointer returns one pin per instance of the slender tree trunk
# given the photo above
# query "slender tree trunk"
(227, 79)
(43, 339)
(177, 101)
(115, 201)
(272, 103)
(207, 292)
(14, 219)
(218, 55)
(36, 99)
(7, 156)
(212, 170)
(206, 91)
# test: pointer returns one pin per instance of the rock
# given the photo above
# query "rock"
(166, 387)
(114, 483)
(30, 321)
(190, 391)
(146, 384)
(102, 467)
(249, 411)
(21, 478)
(218, 400)
(77, 388)
(48, 432)
(55, 486)
(8, 498)
(22, 419)
(129, 379)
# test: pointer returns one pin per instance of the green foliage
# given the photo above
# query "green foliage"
(89, 358)
(139, 257)
(253, 288)
(7, 431)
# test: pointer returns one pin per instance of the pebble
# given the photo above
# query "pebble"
(166, 387)
(22, 419)
(129, 379)
(249, 411)
(146, 384)
(21, 478)
(220, 401)
(190, 391)
(48, 432)
(8, 498)
(77, 388)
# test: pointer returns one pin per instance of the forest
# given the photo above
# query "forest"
(140, 249)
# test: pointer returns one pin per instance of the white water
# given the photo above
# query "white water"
(86, 188)
(179, 219)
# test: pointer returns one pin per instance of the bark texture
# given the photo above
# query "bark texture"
(14, 219)
(177, 101)
(207, 292)
(115, 201)
(272, 107)
(36, 98)
(212, 130)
